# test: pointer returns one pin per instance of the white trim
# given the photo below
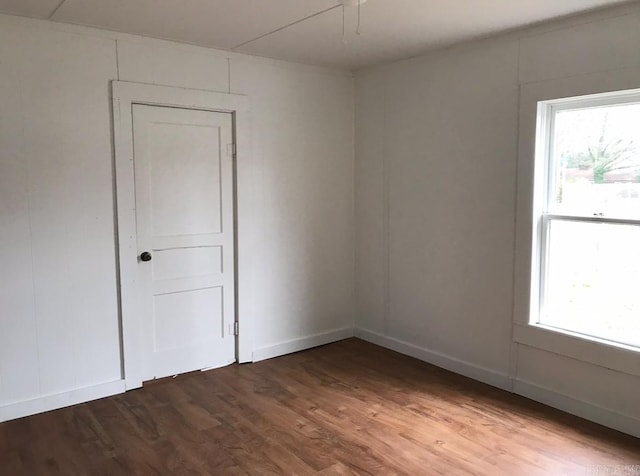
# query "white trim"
(461, 367)
(534, 99)
(591, 219)
(622, 358)
(589, 411)
(589, 101)
(60, 400)
(303, 343)
(125, 94)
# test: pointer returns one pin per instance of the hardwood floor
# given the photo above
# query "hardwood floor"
(346, 408)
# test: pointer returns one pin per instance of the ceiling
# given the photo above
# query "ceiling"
(308, 31)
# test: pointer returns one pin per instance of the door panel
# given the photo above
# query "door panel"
(199, 311)
(184, 218)
(185, 157)
(187, 262)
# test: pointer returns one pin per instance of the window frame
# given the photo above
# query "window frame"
(532, 221)
(543, 192)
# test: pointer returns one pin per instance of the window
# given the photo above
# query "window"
(587, 216)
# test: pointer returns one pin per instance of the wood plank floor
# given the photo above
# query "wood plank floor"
(346, 408)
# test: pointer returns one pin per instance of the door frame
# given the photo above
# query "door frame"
(124, 96)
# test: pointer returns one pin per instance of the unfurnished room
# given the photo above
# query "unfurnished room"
(319, 237)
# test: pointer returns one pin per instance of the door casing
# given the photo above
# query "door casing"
(125, 95)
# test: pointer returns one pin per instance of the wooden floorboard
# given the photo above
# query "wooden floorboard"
(345, 408)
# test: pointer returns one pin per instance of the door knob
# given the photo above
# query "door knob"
(145, 256)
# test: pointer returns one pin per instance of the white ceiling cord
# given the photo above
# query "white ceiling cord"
(350, 3)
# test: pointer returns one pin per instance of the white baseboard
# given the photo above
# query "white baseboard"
(606, 417)
(302, 343)
(82, 395)
(476, 372)
(588, 411)
(60, 400)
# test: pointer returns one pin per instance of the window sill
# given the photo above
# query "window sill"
(611, 355)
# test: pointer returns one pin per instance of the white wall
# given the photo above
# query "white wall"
(58, 304)
(59, 327)
(304, 140)
(436, 166)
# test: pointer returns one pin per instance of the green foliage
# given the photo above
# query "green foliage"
(604, 154)
(579, 160)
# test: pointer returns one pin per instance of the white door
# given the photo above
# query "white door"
(185, 238)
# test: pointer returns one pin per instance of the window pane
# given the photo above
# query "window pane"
(596, 162)
(593, 280)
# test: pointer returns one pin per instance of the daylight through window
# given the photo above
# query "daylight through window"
(588, 216)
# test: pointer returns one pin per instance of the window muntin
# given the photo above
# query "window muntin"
(589, 222)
